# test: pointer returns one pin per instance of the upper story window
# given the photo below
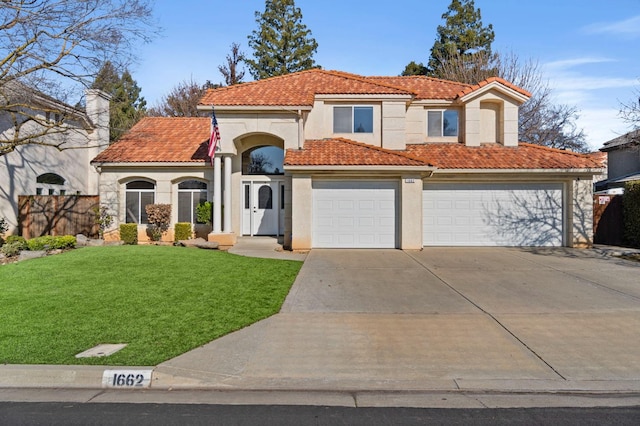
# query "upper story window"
(442, 123)
(139, 193)
(352, 119)
(51, 184)
(263, 160)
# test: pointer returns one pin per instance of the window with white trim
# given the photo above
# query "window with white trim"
(50, 183)
(190, 194)
(352, 119)
(139, 193)
(442, 123)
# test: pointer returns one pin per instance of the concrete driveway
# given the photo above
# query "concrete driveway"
(438, 319)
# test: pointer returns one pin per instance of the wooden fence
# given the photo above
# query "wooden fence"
(58, 215)
(608, 225)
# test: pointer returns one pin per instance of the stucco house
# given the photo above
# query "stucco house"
(39, 169)
(623, 162)
(329, 159)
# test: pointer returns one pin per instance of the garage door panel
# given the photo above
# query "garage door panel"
(366, 212)
(493, 214)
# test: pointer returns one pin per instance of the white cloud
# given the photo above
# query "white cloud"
(628, 27)
(600, 125)
(564, 64)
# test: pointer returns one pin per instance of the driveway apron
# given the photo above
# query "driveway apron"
(435, 319)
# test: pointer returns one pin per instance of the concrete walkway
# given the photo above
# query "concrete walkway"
(445, 320)
(265, 247)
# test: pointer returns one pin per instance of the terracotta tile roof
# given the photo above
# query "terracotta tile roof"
(345, 152)
(161, 139)
(297, 89)
(483, 83)
(496, 156)
(425, 87)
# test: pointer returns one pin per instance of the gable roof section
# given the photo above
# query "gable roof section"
(496, 156)
(490, 80)
(161, 140)
(345, 152)
(298, 89)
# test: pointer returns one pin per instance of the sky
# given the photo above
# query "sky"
(588, 50)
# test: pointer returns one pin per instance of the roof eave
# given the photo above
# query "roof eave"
(280, 108)
(495, 85)
(360, 168)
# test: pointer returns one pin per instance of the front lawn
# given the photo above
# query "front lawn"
(161, 301)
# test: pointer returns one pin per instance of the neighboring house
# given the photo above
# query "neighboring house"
(36, 169)
(329, 159)
(623, 162)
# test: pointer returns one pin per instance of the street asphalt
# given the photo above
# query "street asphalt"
(439, 327)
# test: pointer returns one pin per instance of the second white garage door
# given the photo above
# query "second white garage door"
(354, 214)
(492, 214)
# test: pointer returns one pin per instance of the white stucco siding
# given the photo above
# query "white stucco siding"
(238, 125)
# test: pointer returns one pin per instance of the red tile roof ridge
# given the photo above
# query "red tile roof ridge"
(335, 73)
(403, 154)
(490, 80)
(556, 150)
(422, 77)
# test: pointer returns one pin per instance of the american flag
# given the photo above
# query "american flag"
(215, 136)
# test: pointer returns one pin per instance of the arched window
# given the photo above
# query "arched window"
(190, 194)
(50, 184)
(263, 160)
(139, 193)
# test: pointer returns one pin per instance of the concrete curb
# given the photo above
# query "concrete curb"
(61, 383)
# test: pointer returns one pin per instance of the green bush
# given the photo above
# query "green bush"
(18, 241)
(204, 211)
(49, 242)
(11, 249)
(129, 233)
(631, 213)
(182, 231)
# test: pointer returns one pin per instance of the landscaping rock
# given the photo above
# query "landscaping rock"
(81, 240)
(28, 254)
(199, 243)
(94, 243)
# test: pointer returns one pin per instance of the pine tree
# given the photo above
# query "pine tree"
(127, 106)
(282, 44)
(414, 68)
(462, 36)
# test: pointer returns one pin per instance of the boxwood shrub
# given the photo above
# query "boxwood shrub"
(49, 242)
(182, 231)
(129, 233)
(19, 242)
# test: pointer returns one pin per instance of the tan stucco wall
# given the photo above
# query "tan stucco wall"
(581, 212)
(410, 212)
(508, 131)
(301, 212)
(319, 123)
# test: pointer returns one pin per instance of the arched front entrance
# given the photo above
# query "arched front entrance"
(263, 190)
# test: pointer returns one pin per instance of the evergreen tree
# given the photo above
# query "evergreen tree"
(462, 36)
(282, 44)
(413, 68)
(127, 106)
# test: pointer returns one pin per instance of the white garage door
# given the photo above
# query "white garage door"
(492, 214)
(354, 214)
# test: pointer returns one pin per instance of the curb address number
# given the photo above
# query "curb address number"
(126, 378)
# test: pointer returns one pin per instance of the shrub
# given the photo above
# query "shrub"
(48, 242)
(204, 212)
(182, 231)
(11, 249)
(18, 241)
(3, 225)
(159, 216)
(103, 219)
(631, 212)
(129, 233)
(65, 242)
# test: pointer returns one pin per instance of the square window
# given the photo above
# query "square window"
(442, 123)
(353, 119)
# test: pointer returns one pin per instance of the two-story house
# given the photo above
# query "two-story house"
(63, 140)
(623, 162)
(335, 160)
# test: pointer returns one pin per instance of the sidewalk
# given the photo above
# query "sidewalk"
(446, 328)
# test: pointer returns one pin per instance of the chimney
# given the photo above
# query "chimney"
(97, 109)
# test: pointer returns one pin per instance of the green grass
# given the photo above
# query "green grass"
(161, 301)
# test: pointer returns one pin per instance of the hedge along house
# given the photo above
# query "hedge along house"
(335, 160)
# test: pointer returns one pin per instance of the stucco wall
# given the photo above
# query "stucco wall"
(622, 162)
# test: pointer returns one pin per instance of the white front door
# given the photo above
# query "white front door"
(262, 208)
